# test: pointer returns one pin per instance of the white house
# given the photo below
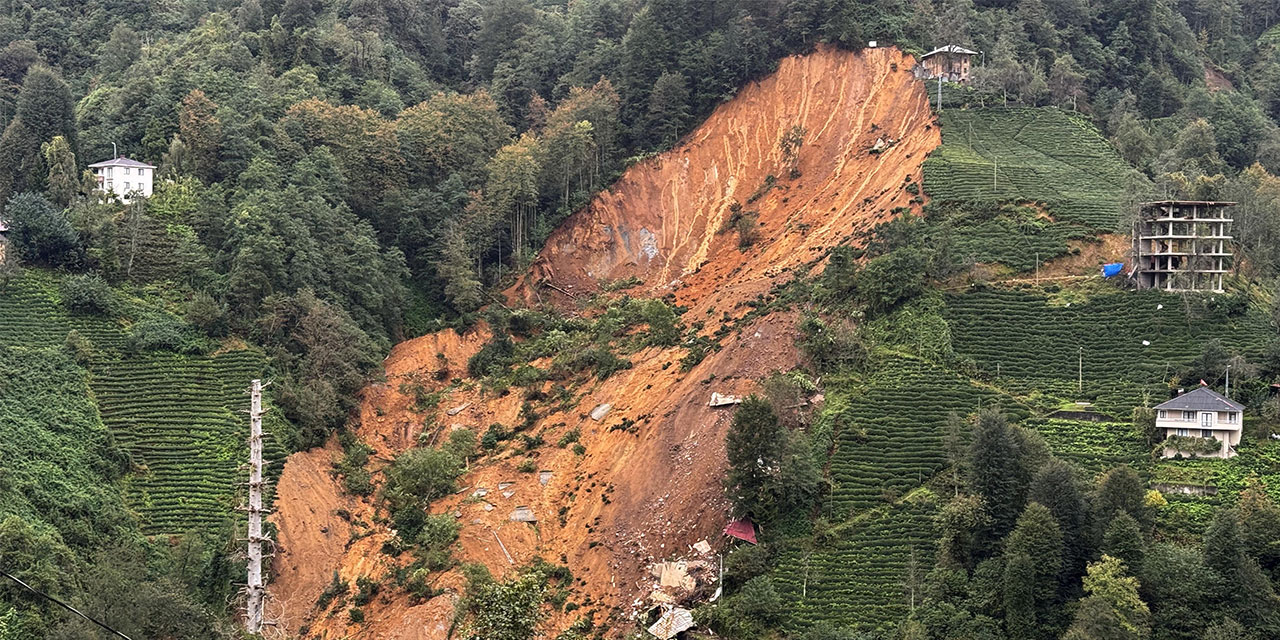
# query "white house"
(1204, 414)
(124, 177)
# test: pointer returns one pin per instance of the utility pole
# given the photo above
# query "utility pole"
(1080, 373)
(939, 93)
(1228, 382)
(256, 592)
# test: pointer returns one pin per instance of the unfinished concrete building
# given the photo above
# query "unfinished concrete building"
(1182, 245)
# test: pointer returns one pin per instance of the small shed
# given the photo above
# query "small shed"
(951, 62)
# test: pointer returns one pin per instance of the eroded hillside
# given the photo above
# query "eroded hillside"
(649, 483)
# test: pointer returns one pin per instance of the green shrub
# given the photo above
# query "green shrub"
(163, 332)
(366, 589)
(493, 358)
(356, 614)
(415, 479)
(337, 588)
(88, 293)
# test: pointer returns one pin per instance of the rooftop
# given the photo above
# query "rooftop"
(121, 162)
(1210, 203)
(1201, 399)
(951, 48)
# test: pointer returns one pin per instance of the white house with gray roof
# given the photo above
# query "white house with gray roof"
(1201, 413)
(124, 177)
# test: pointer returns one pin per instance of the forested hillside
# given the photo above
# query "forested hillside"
(335, 176)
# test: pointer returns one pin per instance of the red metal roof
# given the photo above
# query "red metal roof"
(741, 529)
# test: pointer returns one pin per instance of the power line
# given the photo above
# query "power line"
(62, 604)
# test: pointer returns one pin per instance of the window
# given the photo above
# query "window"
(126, 186)
(1189, 415)
(1163, 414)
(1206, 418)
(126, 171)
(1184, 432)
(108, 172)
(1231, 417)
(1206, 433)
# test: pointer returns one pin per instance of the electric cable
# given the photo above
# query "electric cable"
(62, 604)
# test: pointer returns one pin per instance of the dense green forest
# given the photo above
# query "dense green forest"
(336, 175)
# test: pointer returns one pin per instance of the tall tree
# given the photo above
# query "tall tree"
(1033, 559)
(1056, 486)
(668, 110)
(201, 133)
(1112, 608)
(997, 474)
(757, 446)
(63, 184)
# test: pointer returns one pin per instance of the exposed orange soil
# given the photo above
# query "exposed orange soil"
(649, 492)
(659, 222)
(1109, 247)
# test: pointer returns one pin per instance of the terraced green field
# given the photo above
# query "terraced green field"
(32, 315)
(182, 420)
(1034, 341)
(891, 427)
(1093, 446)
(1028, 154)
(858, 580)
(179, 417)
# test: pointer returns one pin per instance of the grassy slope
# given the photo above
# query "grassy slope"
(888, 423)
(177, 416)
(1055, 159)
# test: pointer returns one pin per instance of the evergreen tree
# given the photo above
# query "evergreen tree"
(40, 232)
(1179, 589)
(63, 185)
(997, 475)
(201, 133)
(1123, 540)
(1056, 487)
(668, 111)
(1033, 560)
(1120, 490)
(45, 106)
(1242, 589)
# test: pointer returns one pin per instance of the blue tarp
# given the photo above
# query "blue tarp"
(1112, 269)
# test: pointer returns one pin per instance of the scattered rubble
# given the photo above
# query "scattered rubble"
(523, 513)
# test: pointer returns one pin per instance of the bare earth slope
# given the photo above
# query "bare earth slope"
(650, 492)
(659, 222)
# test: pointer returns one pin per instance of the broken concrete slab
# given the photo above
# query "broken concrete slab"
(480, 492)
(702, 546)
(523, 513)
(672, 622)
(504, 485)
(508, 494)
(544, 476)
(720, 400)
(601, 411)
(458, 409)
